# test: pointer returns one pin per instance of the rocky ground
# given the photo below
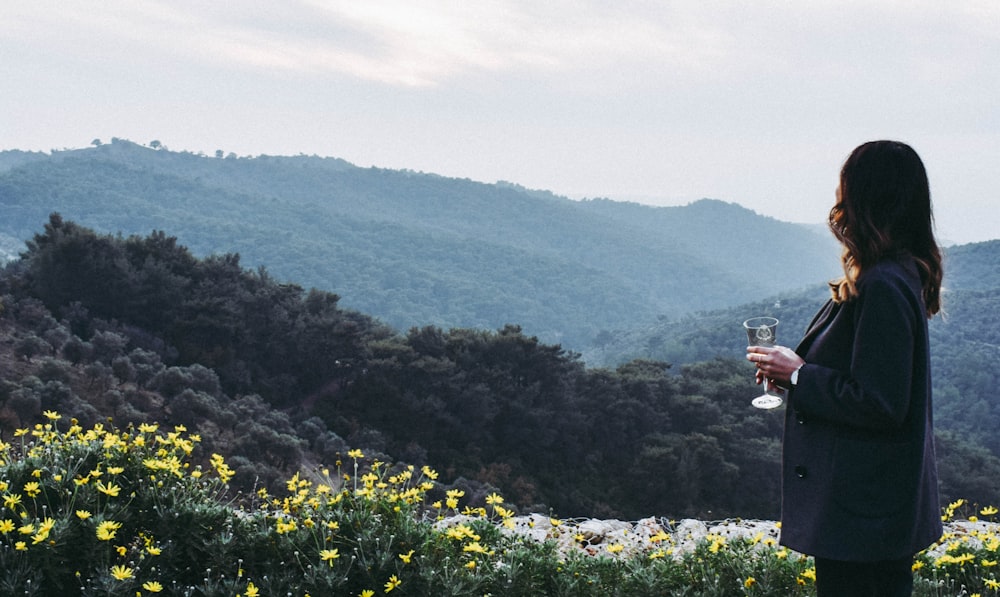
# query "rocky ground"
(618, 539)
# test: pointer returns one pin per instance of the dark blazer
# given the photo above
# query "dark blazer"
(859, 481)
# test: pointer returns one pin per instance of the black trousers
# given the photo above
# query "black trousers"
(889, 578)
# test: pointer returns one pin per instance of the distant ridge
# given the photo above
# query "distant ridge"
(419, 249)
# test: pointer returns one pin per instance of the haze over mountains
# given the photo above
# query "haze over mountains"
(418, 249)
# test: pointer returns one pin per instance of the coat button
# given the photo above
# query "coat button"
(800, 472)
(800, 418)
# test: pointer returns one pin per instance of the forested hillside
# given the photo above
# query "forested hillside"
(416, 249)
(277, 378)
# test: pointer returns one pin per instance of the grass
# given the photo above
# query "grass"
(129, 512)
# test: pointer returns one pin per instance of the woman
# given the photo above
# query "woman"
(859, 482)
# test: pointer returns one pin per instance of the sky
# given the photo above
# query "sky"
(660, 102)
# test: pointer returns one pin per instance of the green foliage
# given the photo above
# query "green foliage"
(121, 512)
(211, 312)
(112, 512)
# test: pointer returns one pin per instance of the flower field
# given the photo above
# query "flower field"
(141, 511)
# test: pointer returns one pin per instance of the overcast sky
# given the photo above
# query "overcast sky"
(661, 102)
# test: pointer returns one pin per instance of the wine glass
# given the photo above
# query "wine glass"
(761, 332)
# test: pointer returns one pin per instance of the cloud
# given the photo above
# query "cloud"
(748, 101)
(396, 42)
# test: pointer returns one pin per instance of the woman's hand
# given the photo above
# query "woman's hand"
(774, 363)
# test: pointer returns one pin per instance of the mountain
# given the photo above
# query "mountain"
(974, 266)
(419, 249)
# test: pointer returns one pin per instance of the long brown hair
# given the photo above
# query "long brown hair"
(883, 208)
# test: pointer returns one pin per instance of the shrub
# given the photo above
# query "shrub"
(139, 511)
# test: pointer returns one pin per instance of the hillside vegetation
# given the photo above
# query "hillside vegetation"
(276, 378)
(415, 249)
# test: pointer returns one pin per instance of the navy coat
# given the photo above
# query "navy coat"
(859, 481)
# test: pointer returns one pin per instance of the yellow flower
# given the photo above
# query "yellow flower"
(406, 557)
(355, 454)
(11, 500)
(392, 583)
(282, 527)
(717, 544)
(122, 550)
(367, 593)
(749, 582)
(471, 564)
(51, 415)
(989, 511)
(121, 572)
(21, 546)
(111, 490)
(329, 555)
(83, 514)
(494, 498)
(106, 529)
(152, 586)
(988, 563)
(252, 591)
(991, 584)
(615, 548)
(476, 547)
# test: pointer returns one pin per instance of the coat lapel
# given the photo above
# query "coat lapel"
(819, 323)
